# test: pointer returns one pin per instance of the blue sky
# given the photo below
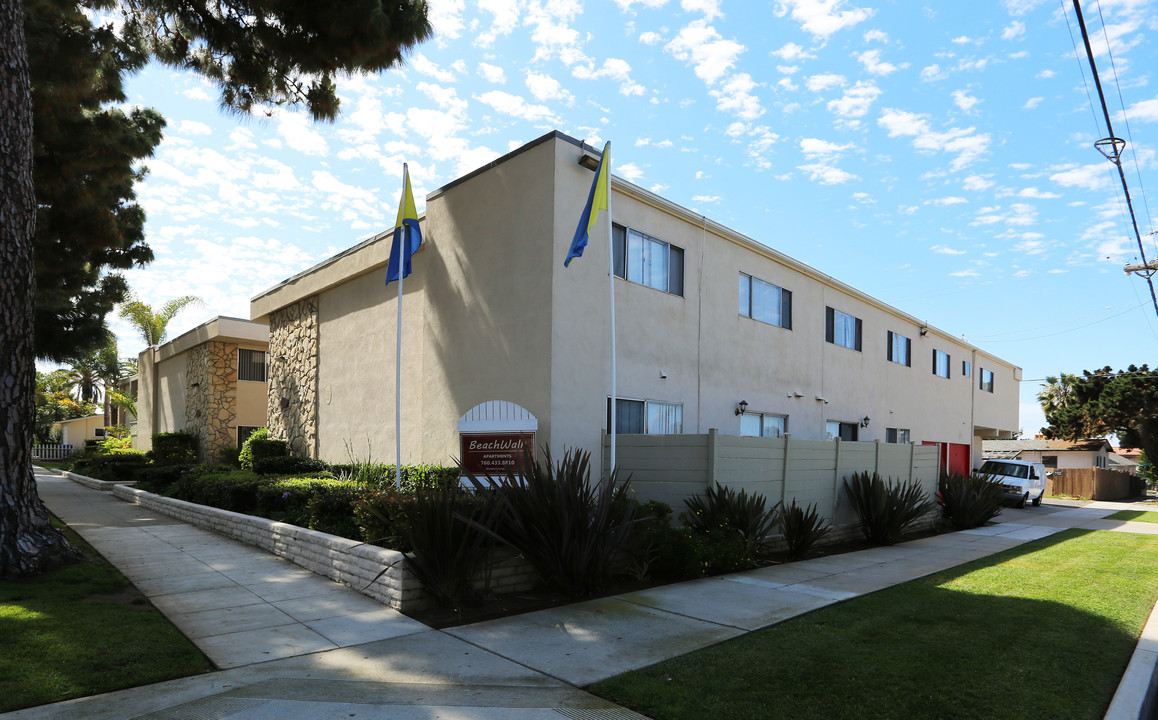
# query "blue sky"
(938, 157)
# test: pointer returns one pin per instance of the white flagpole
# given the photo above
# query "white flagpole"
(398, 348)
(611, 278)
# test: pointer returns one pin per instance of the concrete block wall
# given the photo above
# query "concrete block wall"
(351, 563)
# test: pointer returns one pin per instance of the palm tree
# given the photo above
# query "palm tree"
(152, 324)
(85, 378)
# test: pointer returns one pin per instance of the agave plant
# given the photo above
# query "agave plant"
(969, 501)
(570, 529)
(885, 509)
(731, 510)
(803, 528)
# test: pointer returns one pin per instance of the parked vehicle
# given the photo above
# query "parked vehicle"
(1021, 480)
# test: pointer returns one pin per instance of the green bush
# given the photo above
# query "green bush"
(656, 549)
(229, 456)
(121, 467)
(969, 501)
(235, 490)
(885, 509)
(570, 529)
(178, 448)
(433, 477)
(733, 512)
(380, 515)
(284, 464)
(322, 504)
(803, 528)
(331, 509)
(159, 478)
(245, 454)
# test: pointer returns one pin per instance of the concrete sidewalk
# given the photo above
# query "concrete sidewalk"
(300, 646)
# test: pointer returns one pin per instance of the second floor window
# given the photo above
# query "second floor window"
(986, 382)
(251, 365)
(650, 417)
(648, 261)
(842, 329)
(900, 349)
(764, 301)
(763, 425)
(941, 363)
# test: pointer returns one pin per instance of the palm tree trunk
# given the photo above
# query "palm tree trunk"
(28, 542)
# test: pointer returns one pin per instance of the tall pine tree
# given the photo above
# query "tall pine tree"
(283, 52)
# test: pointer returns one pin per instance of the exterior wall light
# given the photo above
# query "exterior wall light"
(742, 407)
(865, 422)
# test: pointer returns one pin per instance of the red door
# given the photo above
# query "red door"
(954, 457)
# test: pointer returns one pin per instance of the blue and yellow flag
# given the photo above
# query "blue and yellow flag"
(596, 201)
(407, 235)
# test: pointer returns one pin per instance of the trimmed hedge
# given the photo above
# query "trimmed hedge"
(178, 448)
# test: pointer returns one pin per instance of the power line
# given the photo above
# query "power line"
(1111, 147)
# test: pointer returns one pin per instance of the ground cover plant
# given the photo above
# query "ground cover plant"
(983, 640)
(80, 630)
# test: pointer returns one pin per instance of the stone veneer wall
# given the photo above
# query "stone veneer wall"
(293, 377)
(211, 396)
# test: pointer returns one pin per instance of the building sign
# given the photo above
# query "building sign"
(494, 453)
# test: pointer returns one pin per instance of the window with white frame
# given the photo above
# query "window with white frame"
(844, 430)
(897, 435)
(763, 425)
(648, 261)
(763, 301)
(966, 368)
(842, 329)
(986, 382)
(251, 365)
(941, 363)
(899, 349)
(646, 417)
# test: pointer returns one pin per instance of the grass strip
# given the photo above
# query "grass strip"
(83, 629)
(1135, 516)
(1041, 631)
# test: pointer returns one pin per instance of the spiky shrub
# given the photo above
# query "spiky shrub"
(803, 528)
(885, 509)
(450, 536)
(733, 512)
(969, 501)
(569, 528)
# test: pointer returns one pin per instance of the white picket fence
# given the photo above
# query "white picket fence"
(52, 452)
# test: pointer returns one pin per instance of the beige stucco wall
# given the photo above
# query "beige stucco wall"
(75, 432)
(491, 314)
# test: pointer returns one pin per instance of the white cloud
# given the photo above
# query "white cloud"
(1020, 7)
(822, 18)
(962, 40)
(1018, 214)
(1034, 193)
(824, 81)
(445, 17)
(814, 148)
(1088, 177)
(706, 50)
(710, 8)
(426, 66)
(1046, 74)
(978, 182)
(1145, 111)
(492, 73)
(907, 209)
(965, 273)
(963, 100)
(790, 52)
(966, 143)
(192, 127)
(625, 5)
(943, 250)
(871, 59)
(945, 201)
(705, 199)
(613, 68)
(856, 100)
(650, 38)
(516, 106)
(299, 133)
(545, 87)
(1015, 30)
(1032, 103)
(826, 174)
(932, 73)
(629, 171)
(735, 96)
(505, 16)
(878, 35)
(196, 93)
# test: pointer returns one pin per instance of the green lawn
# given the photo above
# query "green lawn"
(82, 630)
(1135, 516)
(1041, 631)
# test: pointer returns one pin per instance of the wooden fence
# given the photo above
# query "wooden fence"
(670, 468)
(52, 452)
(1092, 483)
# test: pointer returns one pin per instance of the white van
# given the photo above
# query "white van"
(1021, 480)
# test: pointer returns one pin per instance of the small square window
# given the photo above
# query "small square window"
(251, 365)
(897, 435)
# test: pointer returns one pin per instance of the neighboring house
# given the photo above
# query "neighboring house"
(74, 432)
(1054, 454)
(211, 382)
(1122, 463)
(499, 337)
